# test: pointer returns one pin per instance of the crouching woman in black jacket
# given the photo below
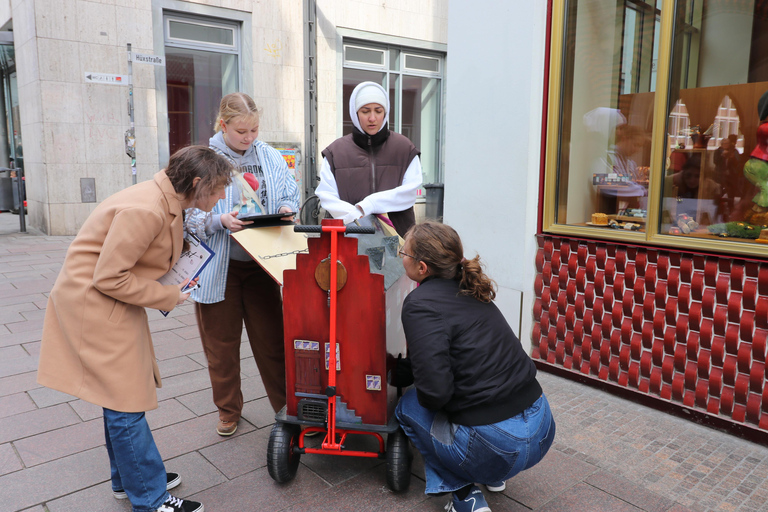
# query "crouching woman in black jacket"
(477, 415)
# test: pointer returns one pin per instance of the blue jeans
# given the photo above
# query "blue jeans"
(456, 456)
(136, 465)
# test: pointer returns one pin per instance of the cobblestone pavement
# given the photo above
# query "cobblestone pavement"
(610, 454)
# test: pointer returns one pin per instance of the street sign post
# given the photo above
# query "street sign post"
(145, 58)
(107, 79)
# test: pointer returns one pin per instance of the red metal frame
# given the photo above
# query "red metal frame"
(330, 444)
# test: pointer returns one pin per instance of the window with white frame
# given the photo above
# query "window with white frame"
(414, 80)
(202, 65)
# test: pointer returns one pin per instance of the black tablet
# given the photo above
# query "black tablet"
(275, 219)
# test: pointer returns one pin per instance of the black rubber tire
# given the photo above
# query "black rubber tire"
(311, 213)
(399, 459)
(282, 461)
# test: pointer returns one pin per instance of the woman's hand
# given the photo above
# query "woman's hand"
(285, 209)
(232, 223)
(184, 295)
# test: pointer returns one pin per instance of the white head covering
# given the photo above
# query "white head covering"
(365, 93)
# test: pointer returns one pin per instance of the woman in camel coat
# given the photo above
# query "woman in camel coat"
(96, 343)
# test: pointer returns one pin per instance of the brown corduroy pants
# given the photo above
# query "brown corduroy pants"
(253, 297)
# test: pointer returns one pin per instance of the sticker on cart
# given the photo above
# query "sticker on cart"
(306, 345)
(373, 382)
(328, 356)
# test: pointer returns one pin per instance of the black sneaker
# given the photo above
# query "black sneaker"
(174, 504)
(173, 481)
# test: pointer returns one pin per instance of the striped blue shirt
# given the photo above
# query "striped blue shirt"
(281, 191)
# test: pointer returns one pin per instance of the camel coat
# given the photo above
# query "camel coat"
(96, 343)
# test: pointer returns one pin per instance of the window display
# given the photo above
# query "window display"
(607, 114)
(719, 72)
(660, 122)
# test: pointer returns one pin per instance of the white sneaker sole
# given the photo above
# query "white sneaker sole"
(500, 488)
(121, 495)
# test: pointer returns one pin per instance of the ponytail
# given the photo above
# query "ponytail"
(439, 246)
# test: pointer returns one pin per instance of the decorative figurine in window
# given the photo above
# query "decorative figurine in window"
(756, 168)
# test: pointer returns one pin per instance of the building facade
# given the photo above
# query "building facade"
(627, 142)
(297, 58)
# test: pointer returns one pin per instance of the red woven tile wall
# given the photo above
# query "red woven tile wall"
(689, 329)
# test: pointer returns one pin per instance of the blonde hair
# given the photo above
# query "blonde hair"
(439, 246)
(234, 105)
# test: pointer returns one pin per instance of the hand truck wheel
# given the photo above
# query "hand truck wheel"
(282, 460)
(399, 459)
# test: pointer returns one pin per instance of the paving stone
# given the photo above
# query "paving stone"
(164, 324)
(367, 492)
(45, 397)
(32, 349)
(59, 443)
(13, 352)
(189, 332)
(197, 475)
(19, 382)
(191, 435)
(256, 487)
(253, 388)
(168, 412)
(199, 358)
(86, 411)
(7, 338)
(200, 402)
(177, 366)
(22, 489)
(18, 365)
(9, 461)
(548, 479)
(176, 348)
(239, 455)
(337, 469)
(97, 497)
(248, 367)
(34, 422)
(629, 492)
(585, 497)
(15, 404)
(34, 315)
(259, 412)
(179, 385)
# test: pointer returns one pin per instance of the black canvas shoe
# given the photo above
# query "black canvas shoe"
(173, 481)
(174, 504)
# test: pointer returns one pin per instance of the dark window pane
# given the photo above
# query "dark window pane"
(200, 33)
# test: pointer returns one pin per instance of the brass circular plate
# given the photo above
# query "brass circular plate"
(323, 275)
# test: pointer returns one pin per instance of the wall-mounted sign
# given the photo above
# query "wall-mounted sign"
(104, 78)
(146, 58)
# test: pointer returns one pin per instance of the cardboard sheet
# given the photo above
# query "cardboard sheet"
(274, 248)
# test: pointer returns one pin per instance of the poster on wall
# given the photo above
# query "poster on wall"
(290, 156)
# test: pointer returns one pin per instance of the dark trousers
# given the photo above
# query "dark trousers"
(253, 297)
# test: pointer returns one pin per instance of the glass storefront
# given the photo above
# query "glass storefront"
(655, 133)
(201, 67)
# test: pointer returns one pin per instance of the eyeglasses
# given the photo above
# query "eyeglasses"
(403, 255)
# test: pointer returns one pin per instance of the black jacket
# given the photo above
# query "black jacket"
(466, 360)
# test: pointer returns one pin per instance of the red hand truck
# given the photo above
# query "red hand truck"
(342, 392)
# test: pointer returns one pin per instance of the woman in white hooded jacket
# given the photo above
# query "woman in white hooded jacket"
(372, 170)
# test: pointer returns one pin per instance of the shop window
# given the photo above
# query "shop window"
(708, 192)
(202, 65)
(414, 81)
(656, 120)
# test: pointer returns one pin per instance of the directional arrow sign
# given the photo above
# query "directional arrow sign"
(104, 78)
(145, 58)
